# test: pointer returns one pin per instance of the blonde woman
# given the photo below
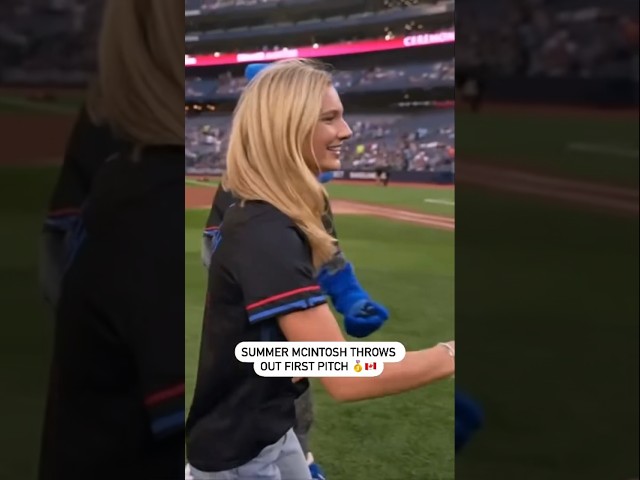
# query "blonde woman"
(115, 408)
(362, 316)
(287, 128)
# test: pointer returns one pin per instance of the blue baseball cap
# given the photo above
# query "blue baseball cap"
(253, 69)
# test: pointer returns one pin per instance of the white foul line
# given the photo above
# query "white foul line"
(438, 201)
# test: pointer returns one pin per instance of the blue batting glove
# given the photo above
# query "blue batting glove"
(325, 177)
(361, 316)
(365, 317)
(316, 472)
(469, 419)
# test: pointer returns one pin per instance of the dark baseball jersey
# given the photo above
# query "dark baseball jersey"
(261, 268)
(223, 199)
(87, 149)
(116, 397)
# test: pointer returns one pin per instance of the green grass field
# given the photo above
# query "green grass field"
(586, 146)
(436, 201)
(538, 362)
(25, 341)
(555, 408)
(403, 437)
(20, 104)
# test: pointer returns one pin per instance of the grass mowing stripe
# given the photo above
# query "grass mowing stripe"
(199, 183)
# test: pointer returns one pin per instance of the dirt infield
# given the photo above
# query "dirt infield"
(589, 196)
(201, 197)
(34, 140)
(341, 207)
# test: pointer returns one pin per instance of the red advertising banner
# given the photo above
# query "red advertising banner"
(364, 46)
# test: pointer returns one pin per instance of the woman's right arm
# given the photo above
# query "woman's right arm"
(417, 369)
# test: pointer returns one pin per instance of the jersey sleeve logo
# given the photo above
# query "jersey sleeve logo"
(216, 238)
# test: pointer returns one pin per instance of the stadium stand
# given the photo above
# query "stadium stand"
(47, 43)
(540, 38)
(390, 77)
(402, 139)
(405, 142)
(559, 39)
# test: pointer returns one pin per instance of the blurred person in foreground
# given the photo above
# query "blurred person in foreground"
(263, 284)
(91, 142)
(115, 407)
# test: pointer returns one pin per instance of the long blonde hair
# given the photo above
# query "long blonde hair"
(141, 71)
(269, 156)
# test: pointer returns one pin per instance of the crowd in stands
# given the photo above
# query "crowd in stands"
(418, 74)
(45, 42)
(211, 5)
(410, 142)
(543, 38)
(423, 75)
(317, 28)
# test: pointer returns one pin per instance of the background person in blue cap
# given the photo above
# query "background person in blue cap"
(362, 316)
